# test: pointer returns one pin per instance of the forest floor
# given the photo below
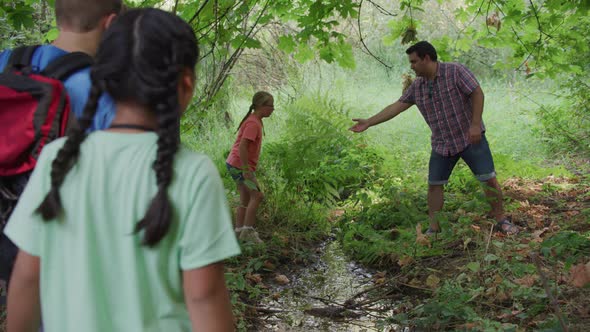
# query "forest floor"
(480, 279)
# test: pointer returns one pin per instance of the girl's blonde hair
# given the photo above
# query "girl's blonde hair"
(260, 98)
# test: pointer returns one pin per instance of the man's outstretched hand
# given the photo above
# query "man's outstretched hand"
(360, 126)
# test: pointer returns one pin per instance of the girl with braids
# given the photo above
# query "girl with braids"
(241, 164)
(124, 229)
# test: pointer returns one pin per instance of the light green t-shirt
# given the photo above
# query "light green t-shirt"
(95, 273)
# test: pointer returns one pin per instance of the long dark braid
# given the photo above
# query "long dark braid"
(156, 221)
(142, 56)
(67, 156)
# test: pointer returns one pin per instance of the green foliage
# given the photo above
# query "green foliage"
(566, 127)
(450, 304)
(539, 33)
(19, 14)
(24, 22)
(317, 157)
(567, 246)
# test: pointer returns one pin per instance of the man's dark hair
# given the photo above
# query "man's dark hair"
(423, 48)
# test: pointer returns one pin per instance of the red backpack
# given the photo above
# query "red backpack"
(34, 107)
(34, 110)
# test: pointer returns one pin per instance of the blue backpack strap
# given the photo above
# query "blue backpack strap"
(20, 57)
(64, 66)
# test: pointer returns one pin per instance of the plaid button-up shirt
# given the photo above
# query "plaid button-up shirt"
(446, 106)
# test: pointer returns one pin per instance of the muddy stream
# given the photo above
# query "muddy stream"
(315, 296)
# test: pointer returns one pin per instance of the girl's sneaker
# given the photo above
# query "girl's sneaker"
(249, 234)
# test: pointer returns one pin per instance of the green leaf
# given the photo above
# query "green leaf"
(245, 42)
(287, 44)
(327, 54)
(490, 258)
(473, 266)
(21, 16)
(346, 57)
(304, 53)
(52, 34)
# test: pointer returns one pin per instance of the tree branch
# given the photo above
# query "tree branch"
(175, 7)
(198, 11)
(380, 8)
(363, 41)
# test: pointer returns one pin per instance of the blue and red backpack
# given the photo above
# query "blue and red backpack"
(34, 110)
(34, 107)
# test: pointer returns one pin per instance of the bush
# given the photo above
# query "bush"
(566, 128)
(317, 157)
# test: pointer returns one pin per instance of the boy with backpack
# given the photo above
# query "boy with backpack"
(43, 89)
(126, 229)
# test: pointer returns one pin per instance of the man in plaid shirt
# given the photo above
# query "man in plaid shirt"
(451, 101)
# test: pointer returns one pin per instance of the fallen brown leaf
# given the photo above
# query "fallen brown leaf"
(379, 281)
(537, 235)
(421, 239)
(405, 260)
(509, 314)
(498, 279)
(468, 326)
(580, 275)
(282, 279)
(415, 282)
(255, 278)
(491, 292)
(432, 281)
(268, 265)
(526, 281)
(502, 296)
